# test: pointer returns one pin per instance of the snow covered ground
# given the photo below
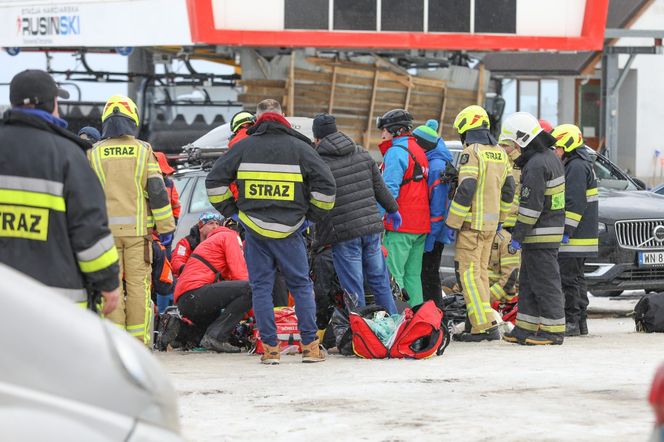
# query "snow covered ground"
(590, 388)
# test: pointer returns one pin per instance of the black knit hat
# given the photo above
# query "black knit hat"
(324, 125)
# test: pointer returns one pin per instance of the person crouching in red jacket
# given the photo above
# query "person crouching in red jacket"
(215, 278)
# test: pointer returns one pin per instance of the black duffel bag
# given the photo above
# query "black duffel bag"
(649, 313)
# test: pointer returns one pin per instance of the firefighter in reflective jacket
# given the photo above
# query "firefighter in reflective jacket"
(137, 200)
(539, 228)
(53, 222)
(481, 204)
(282, 184)
(581, 217)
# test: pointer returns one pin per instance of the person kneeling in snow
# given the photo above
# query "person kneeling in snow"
(215, 278)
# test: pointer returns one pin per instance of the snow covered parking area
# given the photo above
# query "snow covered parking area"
(590, 388)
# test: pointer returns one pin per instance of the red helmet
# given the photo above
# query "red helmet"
(545, 125)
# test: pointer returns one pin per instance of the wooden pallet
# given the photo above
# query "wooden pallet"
(357, 93)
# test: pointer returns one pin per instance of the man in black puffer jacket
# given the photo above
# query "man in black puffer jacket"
(354, 226)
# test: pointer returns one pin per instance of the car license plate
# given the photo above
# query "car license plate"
(651, 259)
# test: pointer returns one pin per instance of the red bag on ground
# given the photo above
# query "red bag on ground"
(288, 335)
(418, 336)
(365, 342)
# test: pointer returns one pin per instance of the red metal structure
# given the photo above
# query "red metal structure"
(203, 30)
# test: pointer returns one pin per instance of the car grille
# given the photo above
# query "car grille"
(642, 274)
(641, 235)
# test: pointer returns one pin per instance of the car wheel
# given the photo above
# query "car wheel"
(606, 293)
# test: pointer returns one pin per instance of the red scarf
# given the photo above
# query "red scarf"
(273, 116)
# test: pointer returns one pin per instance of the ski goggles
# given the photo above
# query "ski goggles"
(209, 217)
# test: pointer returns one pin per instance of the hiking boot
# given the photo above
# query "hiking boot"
(220, 347)
(271, 355)
(583, 327)
(168, 329)
(491, 334)
(518, 335)
(313, 352)
(572, 329)
(545, 338)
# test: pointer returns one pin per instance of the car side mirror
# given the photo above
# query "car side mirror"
(640, 183)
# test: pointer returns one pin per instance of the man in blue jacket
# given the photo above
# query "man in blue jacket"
(438, 156)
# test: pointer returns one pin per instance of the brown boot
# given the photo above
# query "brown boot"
(270, 355)
(313, 352)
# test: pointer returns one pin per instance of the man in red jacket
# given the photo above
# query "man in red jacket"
(215, 278)
(405, 172)
(207, 223)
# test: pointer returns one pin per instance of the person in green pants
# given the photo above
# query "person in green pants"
(405, 169)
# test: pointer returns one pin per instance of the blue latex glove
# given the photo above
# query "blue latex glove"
(166, 239)
(451, 234)
(235, 218)
(305, 225)
(428, 243)
(516, 245)
(565, 238)
(394, 219)
(500, 227)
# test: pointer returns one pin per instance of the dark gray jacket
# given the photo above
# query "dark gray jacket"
(541, 219)
(359, 187)
(581, 205)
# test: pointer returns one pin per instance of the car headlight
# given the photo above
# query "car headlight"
(601, 228)
(143, 370)
(130, 357)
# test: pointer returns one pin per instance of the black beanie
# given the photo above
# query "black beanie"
(324, 125)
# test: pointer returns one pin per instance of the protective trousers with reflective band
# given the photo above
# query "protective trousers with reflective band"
(404, 260)
(504, 267)
(574, 286)
(541, 302)
(134, 312)
(473, 248)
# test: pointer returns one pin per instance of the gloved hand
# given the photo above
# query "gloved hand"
(166, 239)
(428, 243)
(515, 245)
(565, 238)
(500, 227)
(305, 225)
(394, 219)
(235, 218)
(451, 234)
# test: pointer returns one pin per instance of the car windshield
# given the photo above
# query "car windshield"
(181, 183)
(609, 177)
(199, 198)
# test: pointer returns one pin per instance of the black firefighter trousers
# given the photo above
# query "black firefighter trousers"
(541, 302)
(574, 287)
(204, 305)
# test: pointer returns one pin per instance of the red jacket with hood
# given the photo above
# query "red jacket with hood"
(223, 250)
(413, 196)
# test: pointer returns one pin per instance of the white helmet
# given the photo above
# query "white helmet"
(521, 128)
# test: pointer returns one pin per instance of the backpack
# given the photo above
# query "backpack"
(418, 172)
(288, 335)
(649, 313)
(418, 335)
